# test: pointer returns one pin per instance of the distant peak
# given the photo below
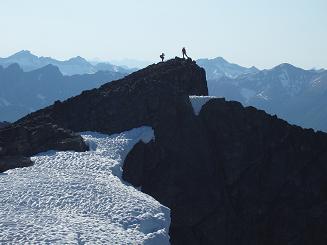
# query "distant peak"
(220, 59)
(285, 66)
(49, 69)
(216, 60)
(77, 59)
(23, 53)
(253, 68)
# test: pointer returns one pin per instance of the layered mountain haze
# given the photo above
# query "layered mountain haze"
(218, 67)
(78, 65)
(292, 93)
(229, 174)
(24, 92)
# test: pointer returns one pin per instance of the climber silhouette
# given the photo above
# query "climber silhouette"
(162, 56)
(184, 53)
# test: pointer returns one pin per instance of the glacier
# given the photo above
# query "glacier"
(80, 198)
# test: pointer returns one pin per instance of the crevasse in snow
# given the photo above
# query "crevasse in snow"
(199, 101)
(79, 198)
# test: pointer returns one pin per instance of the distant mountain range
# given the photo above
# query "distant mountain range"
(131, 63)
(294, 94)
(219, 67)
(229, 174)
(78, 65)
(24, 92)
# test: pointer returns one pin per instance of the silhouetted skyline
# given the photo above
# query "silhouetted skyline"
(256, 32)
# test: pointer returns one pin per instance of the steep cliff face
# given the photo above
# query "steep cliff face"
(235, 175)
(141, 98)
(230, 175)
(126, 103)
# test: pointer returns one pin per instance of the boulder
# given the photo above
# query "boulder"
(11, 162)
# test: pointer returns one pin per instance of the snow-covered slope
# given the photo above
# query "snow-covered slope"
(79, 198)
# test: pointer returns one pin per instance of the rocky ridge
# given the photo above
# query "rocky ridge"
(230, 175)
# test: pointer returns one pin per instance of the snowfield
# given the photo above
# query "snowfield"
(79, 198)
(199, 101)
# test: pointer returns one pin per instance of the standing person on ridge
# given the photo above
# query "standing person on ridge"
(184, 53)
(162, 56)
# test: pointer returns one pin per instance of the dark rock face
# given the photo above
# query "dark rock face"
(133, 101)
(4, 124)
(231, 175)
(137, 100)
(11, 162)
(29, 139)
(236, 175)
(19, 141)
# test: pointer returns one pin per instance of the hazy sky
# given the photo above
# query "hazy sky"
(248, 32)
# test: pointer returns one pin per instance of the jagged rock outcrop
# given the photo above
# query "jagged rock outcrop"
(115, 107)
(127, 103)
(231, 175)
(20, 141)
(29, 139)
(11, 162)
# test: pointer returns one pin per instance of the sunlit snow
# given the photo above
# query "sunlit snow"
(199, 101)
(79, 198)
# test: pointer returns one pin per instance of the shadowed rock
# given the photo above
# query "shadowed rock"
(115, 107)
(10, 162)
(231, 175)
(235, 175)
(4, 124)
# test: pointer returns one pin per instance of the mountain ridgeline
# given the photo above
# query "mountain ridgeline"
(294, 94)
(24, 92)
(74, 66)
(230, 175)
(219, 67)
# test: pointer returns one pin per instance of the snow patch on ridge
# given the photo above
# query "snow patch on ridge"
(79, 198)
(199, 101)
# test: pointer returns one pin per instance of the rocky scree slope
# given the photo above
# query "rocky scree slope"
(230, 175)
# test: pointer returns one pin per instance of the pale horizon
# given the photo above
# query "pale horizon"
(253, 33)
